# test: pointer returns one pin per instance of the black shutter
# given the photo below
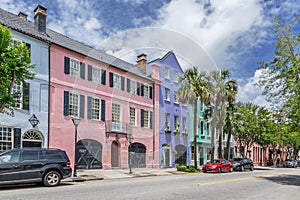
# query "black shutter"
(142, 90)
(81, 114)
(128, 85)
(122, 83)
(66, 103)
(90, 71)
(111, 79)
(142, 117)
(82, 70)
(25, 103)
(89, 116)
(150, 119)
(67, 65)
(29, 48)
(138, 88)
(17, 137)
(103, 77)
(102, 110)
(150, 92)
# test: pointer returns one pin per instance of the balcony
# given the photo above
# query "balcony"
(122, 128)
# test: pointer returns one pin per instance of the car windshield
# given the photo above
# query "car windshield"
(214, 161)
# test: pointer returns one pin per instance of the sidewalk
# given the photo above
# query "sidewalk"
(100, 174)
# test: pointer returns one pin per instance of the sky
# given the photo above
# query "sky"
(210, 34)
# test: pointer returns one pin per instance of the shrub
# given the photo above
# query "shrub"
(191, 169)
(181, 168)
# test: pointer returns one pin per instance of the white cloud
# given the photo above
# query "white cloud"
(250, 92)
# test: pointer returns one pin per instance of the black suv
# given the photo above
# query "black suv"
(242, 163)
(34, 165)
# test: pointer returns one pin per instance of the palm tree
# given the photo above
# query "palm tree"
(220, 90)
(193, 87)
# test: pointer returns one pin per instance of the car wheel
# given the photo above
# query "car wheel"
(251, 168)
(219, 170)
(51, 178)
(231, 169)
(242, 168)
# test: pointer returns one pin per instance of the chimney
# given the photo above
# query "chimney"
(40, 14)
(23, 16)
(142, 62)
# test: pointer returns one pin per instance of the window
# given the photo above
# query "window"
(96, 108)
(16, 41)
(202, 127)
(132, 116)
(73, 104)
(116, 81)
(132, 86)
(116, 112)
(146, 91)
(96, 74)
(146, 118)
(167, 94)
(176, 77)
(74, 68)
(6, 138)
(30, 155)
(184, 124)
(10, 157)
(176, 120)
(167, 72)
(22, 95)
(167, 120)
(176, 100)
(208, 129)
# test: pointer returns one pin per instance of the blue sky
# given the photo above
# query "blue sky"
(226, 34)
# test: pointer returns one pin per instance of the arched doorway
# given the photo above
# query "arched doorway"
(32, 138)
(180, 156)
(89, 154)
(137, 154)
(115, 154)
(166, 155)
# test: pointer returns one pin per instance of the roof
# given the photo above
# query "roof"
(29, 28)
(168, 55)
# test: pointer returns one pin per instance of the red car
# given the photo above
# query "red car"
(218, 165)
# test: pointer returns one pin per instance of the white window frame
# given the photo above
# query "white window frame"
(132, 115)
(74, 67)
(167, 120)
(6, 142)
(176, 100)
(176, 76)
(146, 119)
(167, 72)
(176, 120)
(96, 108)
(184, 124)
(167, 94)
(18, 88)
(146, 91)
(208, 127)
(74, 110)
(116, 81)
(96, 74)
(133, 86)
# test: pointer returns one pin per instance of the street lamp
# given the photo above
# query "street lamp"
(76, 121)
(129, 138)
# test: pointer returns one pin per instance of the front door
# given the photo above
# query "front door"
(114, 154)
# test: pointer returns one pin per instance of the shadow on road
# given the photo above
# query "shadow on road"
(285, 180)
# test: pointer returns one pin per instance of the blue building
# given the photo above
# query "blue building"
(174, 117)
(29, 125)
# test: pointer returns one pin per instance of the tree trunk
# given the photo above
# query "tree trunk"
(195, 132)
(228, 143)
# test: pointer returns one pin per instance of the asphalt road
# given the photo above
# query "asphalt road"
(283, 183)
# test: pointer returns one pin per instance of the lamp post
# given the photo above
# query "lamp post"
(129, 139)
(76, 121)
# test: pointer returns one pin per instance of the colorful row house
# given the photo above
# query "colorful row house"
(115, 103)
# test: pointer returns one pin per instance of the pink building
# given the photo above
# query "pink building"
(113, 99)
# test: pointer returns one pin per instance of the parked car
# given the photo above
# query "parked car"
(290, 163)
(218, 165)
(298, 162)
(240, 164)
(32, 165)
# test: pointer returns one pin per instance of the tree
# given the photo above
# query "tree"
(281, 75)
(222, 90)
(14, 69)
(193, 87)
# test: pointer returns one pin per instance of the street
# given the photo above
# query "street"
(281, 183)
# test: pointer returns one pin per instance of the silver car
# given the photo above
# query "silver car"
(290, 163)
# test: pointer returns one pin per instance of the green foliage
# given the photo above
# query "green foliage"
(14, 69)
(191, 169)
(181, 168)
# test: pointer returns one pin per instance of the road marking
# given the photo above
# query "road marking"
(242, 179)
